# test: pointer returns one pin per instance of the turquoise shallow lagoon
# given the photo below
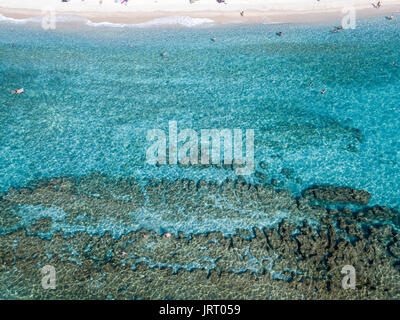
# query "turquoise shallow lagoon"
(90, 99)
(114, 227)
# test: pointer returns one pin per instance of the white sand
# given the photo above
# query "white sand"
(137, 11)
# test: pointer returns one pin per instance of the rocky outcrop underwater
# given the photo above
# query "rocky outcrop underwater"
(119, 238)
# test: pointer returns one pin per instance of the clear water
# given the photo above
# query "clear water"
(90, 99)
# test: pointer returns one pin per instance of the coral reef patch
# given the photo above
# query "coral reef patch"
(116, 238)
(338, 194)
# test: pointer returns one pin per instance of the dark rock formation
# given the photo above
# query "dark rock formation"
(337, 194)
(291, 259)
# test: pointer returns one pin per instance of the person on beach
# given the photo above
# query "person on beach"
(242, 13)
(377, 6)
(17, 91)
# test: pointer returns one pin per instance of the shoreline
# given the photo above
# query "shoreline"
(219, 17)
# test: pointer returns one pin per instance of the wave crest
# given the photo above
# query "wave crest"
(182, 21)
(12, 20)
(166, 21)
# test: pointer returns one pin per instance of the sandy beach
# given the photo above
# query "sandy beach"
(254, 11)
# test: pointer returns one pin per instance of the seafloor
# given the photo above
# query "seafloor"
(78, 195)
(299, 257)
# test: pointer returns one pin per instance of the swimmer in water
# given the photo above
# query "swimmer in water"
(163, 53)
(323, 91)
(337, 29)
(214, 38)
(279, 33)
(18, 91)
(310, 84)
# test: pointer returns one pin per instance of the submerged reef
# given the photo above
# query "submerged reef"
(118, 238)
(338, 194)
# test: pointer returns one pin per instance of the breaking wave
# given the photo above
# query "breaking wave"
(166, 21)
(182, 21)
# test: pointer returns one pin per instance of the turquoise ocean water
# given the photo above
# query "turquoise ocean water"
(90, 99)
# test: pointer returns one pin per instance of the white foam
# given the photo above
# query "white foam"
(66, 18)
(12, 20)
(183, 21)
(106, 24)
(276, 22)
(38, 19)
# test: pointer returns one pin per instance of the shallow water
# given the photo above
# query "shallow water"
(90, 99)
